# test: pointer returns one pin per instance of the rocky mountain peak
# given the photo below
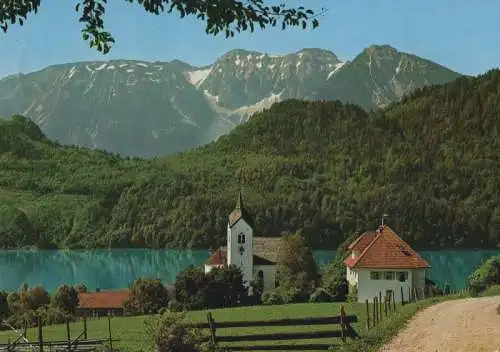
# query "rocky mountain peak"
(141, 108)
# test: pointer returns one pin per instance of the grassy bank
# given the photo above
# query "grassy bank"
(373, 339)
(130, 330)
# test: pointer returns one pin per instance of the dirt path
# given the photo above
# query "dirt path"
(471, 325)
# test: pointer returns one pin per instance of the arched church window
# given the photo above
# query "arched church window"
(260, 275)
(241, 238)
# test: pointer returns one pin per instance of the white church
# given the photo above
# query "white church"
(255, 256)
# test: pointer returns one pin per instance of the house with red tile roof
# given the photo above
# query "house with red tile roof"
(380, 261)
(255, 256)
(102, 303)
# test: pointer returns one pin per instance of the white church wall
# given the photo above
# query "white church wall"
(269, 272)
(245, 260)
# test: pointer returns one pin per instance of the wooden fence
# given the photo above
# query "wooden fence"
(344, 321)
(383, 305)
(80, 343)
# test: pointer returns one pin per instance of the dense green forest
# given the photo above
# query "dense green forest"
(431, 161)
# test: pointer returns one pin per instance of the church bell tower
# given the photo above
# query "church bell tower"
(240, 239)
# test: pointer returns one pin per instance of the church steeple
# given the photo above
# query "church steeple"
(239, 201)
(240, 212)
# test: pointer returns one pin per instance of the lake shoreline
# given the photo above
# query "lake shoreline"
(111, 269)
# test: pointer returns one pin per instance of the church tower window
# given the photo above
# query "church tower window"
(241, 238)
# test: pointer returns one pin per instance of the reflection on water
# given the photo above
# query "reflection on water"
(117, 268)
(452, 267)
(104, 269)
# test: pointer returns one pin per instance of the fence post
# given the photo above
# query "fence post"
(380, 304)
(374, 311)
(393, 301)
(367, 314)
(84, 327)
(423, 292)
(409, 295)
(385, 306)
(342, 322)
(40, 333)
(68, 334)
(109, 331)
(211, 324)
(402, 297)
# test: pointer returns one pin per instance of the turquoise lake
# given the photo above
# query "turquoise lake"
(117, 268)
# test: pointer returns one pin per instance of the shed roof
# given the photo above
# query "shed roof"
(103, 299)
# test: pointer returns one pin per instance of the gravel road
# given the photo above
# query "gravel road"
(464, 325)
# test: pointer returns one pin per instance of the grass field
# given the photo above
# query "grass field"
(130, 329)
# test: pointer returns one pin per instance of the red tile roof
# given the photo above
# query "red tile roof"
(362, 241)
(386, 251)
(103, 299)
(218, 257)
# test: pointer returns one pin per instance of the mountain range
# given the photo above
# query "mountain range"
(326, 169)
(147, 109)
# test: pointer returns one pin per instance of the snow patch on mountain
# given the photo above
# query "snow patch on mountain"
(265, 103)
(101, 67)
(335, 70)
(72, 72)
(197, 77)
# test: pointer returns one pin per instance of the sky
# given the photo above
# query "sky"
(463, 35)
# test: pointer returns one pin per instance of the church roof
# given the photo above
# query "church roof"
(240, 212)
(265, 252)
(257, 260)
(267, 247)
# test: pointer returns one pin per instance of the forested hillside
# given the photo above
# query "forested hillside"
(432, 162)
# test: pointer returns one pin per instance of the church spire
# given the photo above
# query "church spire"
(240, 212)
(239, 201)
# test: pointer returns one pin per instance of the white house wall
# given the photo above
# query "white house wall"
(352, 277)
(269, 272)
(368, 288)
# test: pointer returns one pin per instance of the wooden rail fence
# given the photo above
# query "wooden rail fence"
(343, 320)
(383, 305)
(80, 343)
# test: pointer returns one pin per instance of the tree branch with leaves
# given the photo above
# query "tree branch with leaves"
(221, 16)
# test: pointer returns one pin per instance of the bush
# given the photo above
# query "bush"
(320, 295)
(485, 275)
(352, 296)
(170, 332)
(334, 281)
(147, 296)
(272, 297)
(491, 291)
(175, 306)
(297, 268)
(221, 287)
(66, 298)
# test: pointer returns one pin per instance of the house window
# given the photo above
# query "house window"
(375, 275)
(388, 275)
(402, 276)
